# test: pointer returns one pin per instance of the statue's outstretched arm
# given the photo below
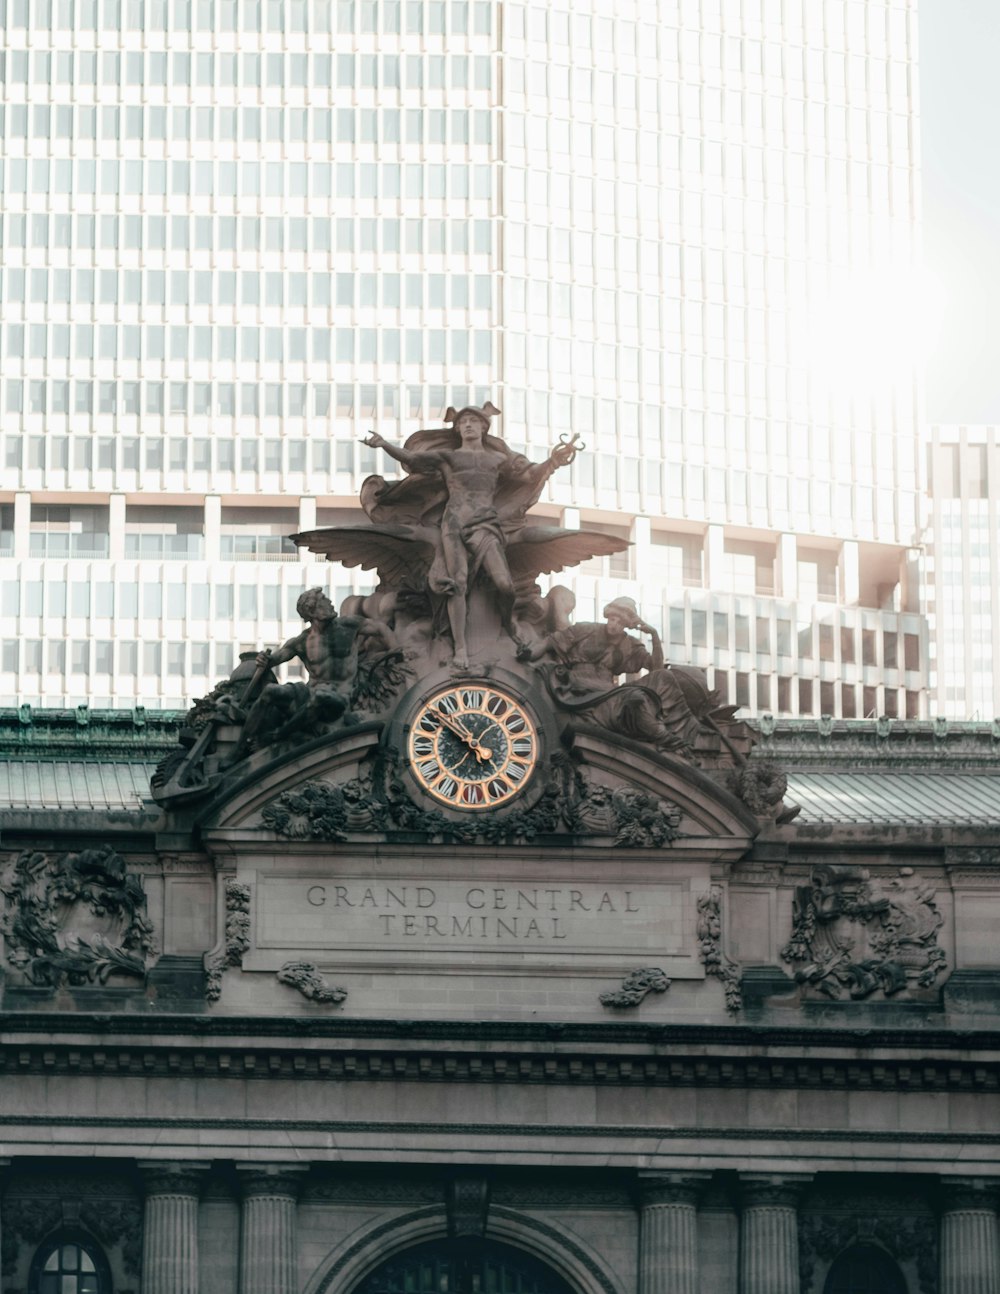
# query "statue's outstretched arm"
(425, 463)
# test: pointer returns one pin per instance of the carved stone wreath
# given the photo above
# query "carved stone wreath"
(77, 919)
(856, 936)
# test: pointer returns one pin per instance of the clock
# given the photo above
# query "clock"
(472, 747)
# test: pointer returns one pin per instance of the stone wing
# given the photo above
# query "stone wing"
(537, 550)
(401, 556)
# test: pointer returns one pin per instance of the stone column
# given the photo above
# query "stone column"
(769, 1233)
(268, 1253)
(668, 1232)
(170, 1227)
(970, 1262)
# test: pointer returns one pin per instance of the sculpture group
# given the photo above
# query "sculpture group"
(457, 557)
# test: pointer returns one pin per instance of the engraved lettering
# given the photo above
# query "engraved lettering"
(409, 924)
(340, 896)
(606, 903)
(431, 923)
(368, 900)
(425, 896)
(316, 895)
(391, 894)
(534, 930)
(628, 902)
(576, 901)
(499, 900)
(552, 899)
(388, 918)
(555, 929)
(459, 927)
(469, 900)
(504, 929)
(524, 901)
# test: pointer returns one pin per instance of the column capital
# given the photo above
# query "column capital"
(671, 1188)
(173, 1177)
(261, 1180)
(962, 1194)
(777, 1190)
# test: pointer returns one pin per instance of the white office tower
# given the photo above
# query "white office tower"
(963, 561)
(238, 235)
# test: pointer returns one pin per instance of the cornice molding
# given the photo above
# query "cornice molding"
(390, 1130)
(711, 1059)
(183, 1029)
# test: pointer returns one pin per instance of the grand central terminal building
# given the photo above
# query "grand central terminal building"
(498, 957)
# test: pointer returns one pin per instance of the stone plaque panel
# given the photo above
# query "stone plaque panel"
(356, 918)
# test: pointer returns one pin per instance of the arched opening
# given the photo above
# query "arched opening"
(864, 1269)
(69, 1263)
(463, 1266)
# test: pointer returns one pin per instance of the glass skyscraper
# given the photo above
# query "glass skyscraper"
(238, 235)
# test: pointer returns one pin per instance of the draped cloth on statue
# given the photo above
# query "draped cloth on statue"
(583, 679)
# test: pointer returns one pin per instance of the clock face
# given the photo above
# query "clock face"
(472, 747)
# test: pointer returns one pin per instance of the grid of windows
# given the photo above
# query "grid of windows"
(962, 558)
(239, 233)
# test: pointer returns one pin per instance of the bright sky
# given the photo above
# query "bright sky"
(960, 129)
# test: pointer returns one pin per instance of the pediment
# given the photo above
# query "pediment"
(593, 791)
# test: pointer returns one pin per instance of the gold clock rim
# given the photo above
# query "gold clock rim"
(454, 801)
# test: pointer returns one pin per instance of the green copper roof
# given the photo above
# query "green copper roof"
(853, 773)
(904, 798)
(27, 783)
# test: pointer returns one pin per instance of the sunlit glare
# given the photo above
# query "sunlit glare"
(870, 332)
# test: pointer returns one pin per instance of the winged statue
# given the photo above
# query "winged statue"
(457, 523)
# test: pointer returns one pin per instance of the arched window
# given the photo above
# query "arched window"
(864, 1269)
(464, 1266)
(69, 1264)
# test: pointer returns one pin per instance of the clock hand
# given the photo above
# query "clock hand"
(482, 753)
(462, 731)
(454, 726)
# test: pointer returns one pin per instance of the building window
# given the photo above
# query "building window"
(865, 1269)
(447, 1266)
(69, 1266)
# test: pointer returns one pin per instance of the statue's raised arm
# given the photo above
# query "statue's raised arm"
(422, 464)
(487, 492)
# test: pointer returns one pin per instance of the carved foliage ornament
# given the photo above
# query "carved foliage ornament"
(857, 936)
(77, 919)
(310, 982)
(28, 1220)
(636, 986)
(906, 1239)
(713, 957)
(321, 811)
(237, 938)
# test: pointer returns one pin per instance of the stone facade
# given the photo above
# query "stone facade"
(496, 956)
(238, 1058)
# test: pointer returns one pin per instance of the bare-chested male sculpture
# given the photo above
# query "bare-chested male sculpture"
(328, 649)
(473, 538)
